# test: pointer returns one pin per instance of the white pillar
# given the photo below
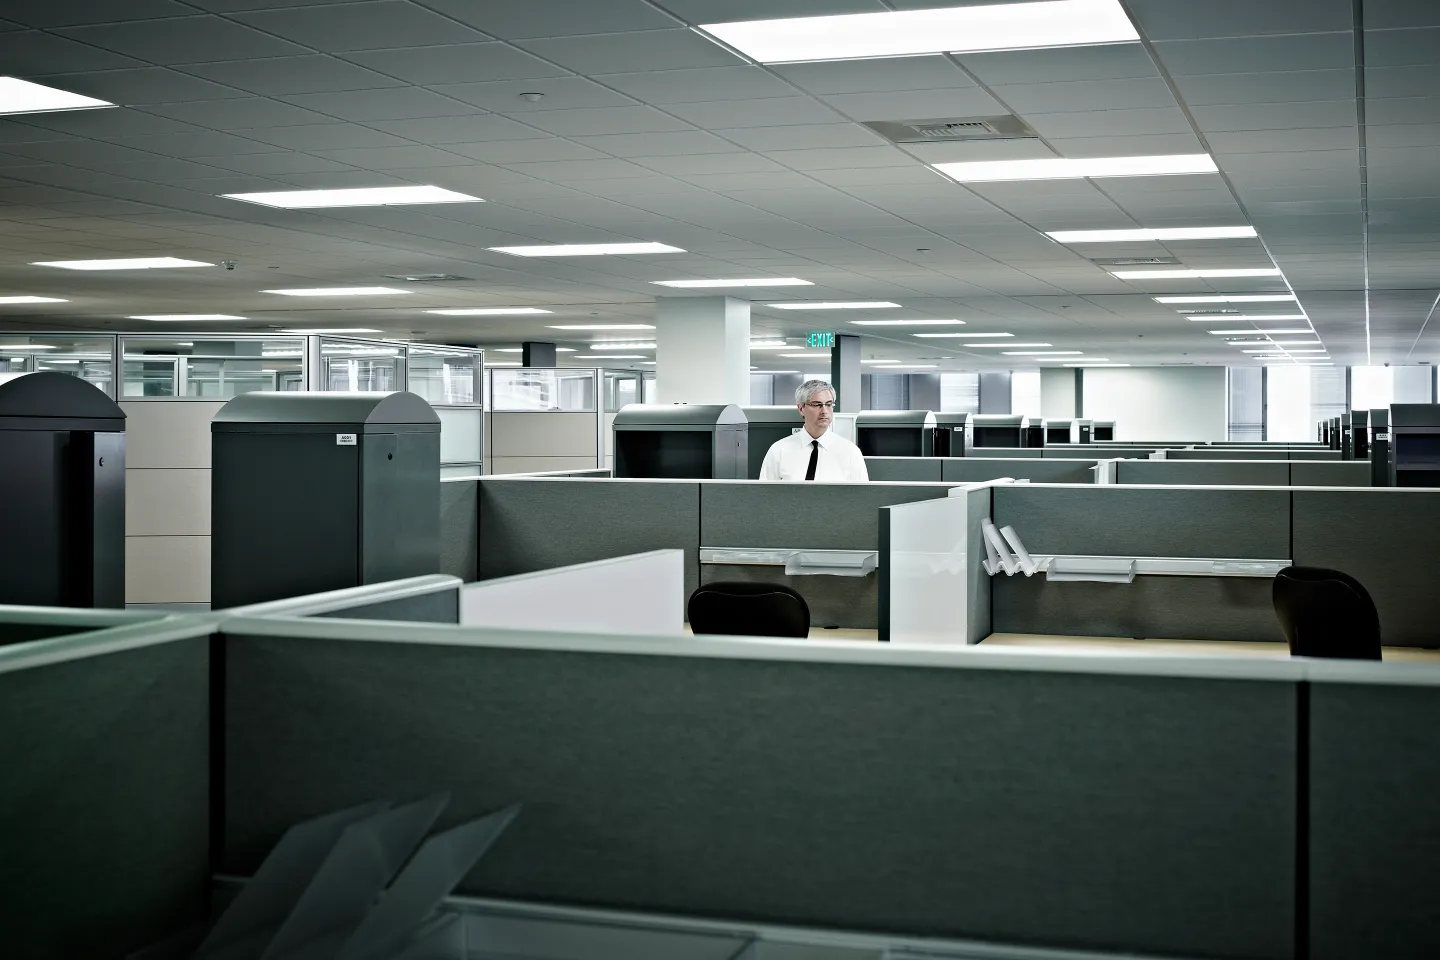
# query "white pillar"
(702, 350)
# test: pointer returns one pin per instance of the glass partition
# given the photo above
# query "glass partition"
(622, 387)
(209, 367)
(539, 389)
(445, 375)
(360, 366)
(91, 358)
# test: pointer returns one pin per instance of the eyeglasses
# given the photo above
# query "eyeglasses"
(819, 405)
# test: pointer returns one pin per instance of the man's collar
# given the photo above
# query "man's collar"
(824, 438)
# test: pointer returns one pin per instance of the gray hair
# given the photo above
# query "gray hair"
(807, 390)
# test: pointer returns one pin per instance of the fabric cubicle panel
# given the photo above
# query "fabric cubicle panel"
(1235, 473)
(1124, 521)
(1374, 836)
(441, 606)
(904, 469)
(460, 529)
(1005, 453)
(1387, 539)
(1227, 453)
(539, 524)
(105, 801)
(832, 516)
(1094, 451)
(979, 470)
(1017, 806)
(1331, 473)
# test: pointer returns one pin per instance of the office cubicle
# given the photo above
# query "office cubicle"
(1245, 473)
(978, 469)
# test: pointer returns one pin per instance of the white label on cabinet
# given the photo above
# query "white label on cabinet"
(345, 440)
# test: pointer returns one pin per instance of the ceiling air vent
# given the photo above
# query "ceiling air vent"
(949, 129)
(423, 277)
(1135, 261)
(1208, 313)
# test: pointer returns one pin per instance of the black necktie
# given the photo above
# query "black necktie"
(814, 457)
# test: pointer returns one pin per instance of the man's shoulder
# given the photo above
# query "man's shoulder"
(844, 443)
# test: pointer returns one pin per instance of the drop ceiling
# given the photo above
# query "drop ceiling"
(647, 131)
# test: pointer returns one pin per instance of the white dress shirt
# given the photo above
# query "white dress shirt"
(839, 459)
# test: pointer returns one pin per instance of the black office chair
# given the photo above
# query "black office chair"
(1326, 613)
(748, 609)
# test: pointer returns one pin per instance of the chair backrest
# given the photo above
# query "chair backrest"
(748, 609)
(1326, 613)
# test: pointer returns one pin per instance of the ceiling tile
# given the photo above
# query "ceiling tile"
(523, 19)
(237, 113)
(1118, 61)
(695, 86)
(1282, 87)
(776, 112)
(1109, 123)
(196, 145)
(372, 25)
(802, 136)
(605, 121)
(392, 103)
(292, 75)
(183, 40)
(1184, 19)
(45, 14)
(1314, 51)
(1407, 14)
(837, 159)
(875, 76)
(1286, 141)
(1131, 94)
(964, 151)
(324, 136)
(274, 164)
(916, 104)
(710, 163)
(466, 129)
(526, 151)
(1276, 116)
(142, 86)
(461, 63)
(108, 124)
(558, 93)
(679, 143)
(728, 11)
(391, 158)
(30, 53)
(620, 52)
(1411, 110)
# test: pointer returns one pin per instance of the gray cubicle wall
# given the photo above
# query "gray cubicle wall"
(1142, 522)
(543, 523)
(979, 469)
(845, 516)
(460, 528)
(1094, 450)
(1006, 453)
(1248, 473)
(918, 793)
(1374, 774)
(1388, 538)
(104, 797)
(22, 624)
(1228, 453)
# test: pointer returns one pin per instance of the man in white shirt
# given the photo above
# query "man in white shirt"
(816, 452)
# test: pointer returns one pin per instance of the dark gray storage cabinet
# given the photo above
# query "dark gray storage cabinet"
(997, 430)
(1382, 459)
(1346, 436)
(1062, 431)
(1359, 435)
(766, 426)
(1415, 444)
(682, 441)
(320, 491)
(1103, 431)
(895, 433)
(62, 493)
(950, 434)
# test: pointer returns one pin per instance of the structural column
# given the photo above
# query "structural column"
(995, 392)
(845, 373)
(702, 350)
(535, 353)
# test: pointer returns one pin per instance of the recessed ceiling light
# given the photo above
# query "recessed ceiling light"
(353, 197)
(1306, 350)
(1060, 168)
(1096, 364)
(1272, 332)
(761, 282)
(22, 96)
(586, 249)
(911, 366)
(320, 330)
(185, 317)
(1230, 298)
(1296, 343)
(1164, 233)
(522, 350)
(609, 356)
(1268, 351)
(1192, 274)
(998, 345)
(21, 347)
(123, 263)
(620, 345)
(880, 361)
(969, 29)
(937, 336)
(602, 326)
(1231, 333)
(1041, 353)
(908, 323)
(338, 292)
(9, 300)
(502, 363)
(489, 312)
(777, 371)
(768, 344)
(841, 305)
(1060, 359)
(813, 354)
(1252, 316)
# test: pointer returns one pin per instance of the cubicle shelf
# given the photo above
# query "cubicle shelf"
(796, 561)
(1051, 566)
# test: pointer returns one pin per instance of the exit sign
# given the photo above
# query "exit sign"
(820, 338)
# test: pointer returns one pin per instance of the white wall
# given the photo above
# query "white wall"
(1057, 394)
(1158, 403)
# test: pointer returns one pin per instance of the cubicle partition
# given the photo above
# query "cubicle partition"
(1251, 453)
(1244, 473)
(22, 624)
(978, 469)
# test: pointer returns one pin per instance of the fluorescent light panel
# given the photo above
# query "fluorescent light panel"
(1041, 353)
(609, 356)
(836, 305)
(1251, 316)
(880, 361)
(587, 249)
(22, 347)
(338, 292)
(1231, 333)
(760, 282)
(1192, 274)
(1060, 359)
(123, 263)
(937, 336)
(621, 345)
(1095, 364)
(10, 300)
(908, 323)
(601, 326)
(522, 350)
(353, 197)
(1060, 168)
(185, 317)
(908, 33)
(911, 366)
(502, 363)
(1165, 233)
(998, 345)
(489, 312)
(22, 96)
(1230, 298)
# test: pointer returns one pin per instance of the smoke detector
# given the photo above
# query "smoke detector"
(952, 129)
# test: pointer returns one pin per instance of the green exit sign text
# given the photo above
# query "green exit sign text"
(820, 338)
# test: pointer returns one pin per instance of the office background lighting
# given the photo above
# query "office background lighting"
(601, 326)
(587, 249)
(761, 282)
(123, 263)
(836, 305)
(967, 336)
(353, 197)
(489, 312)
(999, 345)
(185, 317)
(1251, 316)
(339, 292)
(17, 300)
(323, 330)
(908, 323)
(1060, 168)
(22, 96)
(1230, 298)
(1193, 274)
(1164, 233)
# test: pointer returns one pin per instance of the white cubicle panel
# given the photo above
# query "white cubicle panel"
(640, 595)
(932, 549)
